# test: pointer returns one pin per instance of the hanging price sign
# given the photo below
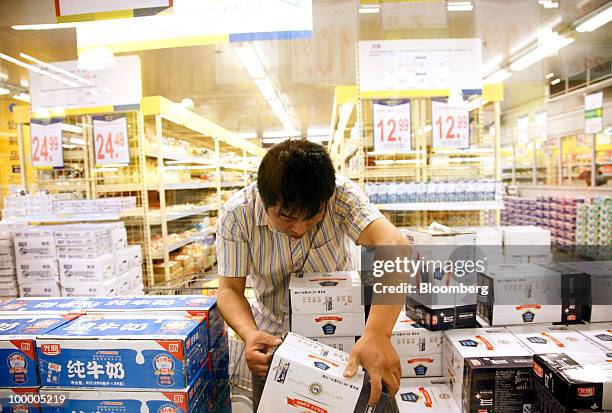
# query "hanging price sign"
(46, 144)
(111, 140)
(451, 125)
(391, 125)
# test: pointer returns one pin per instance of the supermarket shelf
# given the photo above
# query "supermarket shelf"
(155, 217)
(159, 254)
(603, 163)
(168, 187)
(63, 218)
(240, 168)
(443, 206)
(189, 185)
(232, 184)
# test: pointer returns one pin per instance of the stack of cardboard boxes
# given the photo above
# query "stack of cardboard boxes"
(419, 350)
(8, 273)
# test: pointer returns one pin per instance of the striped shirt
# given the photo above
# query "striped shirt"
(248, 245)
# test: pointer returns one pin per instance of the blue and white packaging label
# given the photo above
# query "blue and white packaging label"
(22, 400)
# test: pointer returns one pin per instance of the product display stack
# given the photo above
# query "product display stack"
(419, 350)
(8, 272)
(594, 228)
(328, 307)
(425, 395)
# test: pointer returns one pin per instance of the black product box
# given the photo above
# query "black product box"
(498, 385)
(575, 293)
(576, 381)
(438, 319)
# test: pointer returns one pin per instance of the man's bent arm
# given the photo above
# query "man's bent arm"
(234, 306)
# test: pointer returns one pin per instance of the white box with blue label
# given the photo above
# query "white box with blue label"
(35, 271)
(419, 350)
(19, 400)
(345, 344)
(599, 333)
(319, 292)
(328, 325)
(95, 270)
(542, 339)
(18, 334)
(134, 351)
(424, 396)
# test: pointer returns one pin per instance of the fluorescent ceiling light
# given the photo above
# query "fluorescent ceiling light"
(281, 113)
(543, 50)
(24, 97)
(498, 76)
(555, 81)
(266, 88)
(281, 134)
(369, 9)
(247, 135)
(459, 6)
(548, 76)
(49, 26)
(24, 83)
(73, 129)
(534, 35)
(249, 59)
(37, 70)
(55, 69)
(317, 131)
(42, 113)
(476, 103)
(187, 103)
(492, 64)
(4, 91)
(548, 4)
(596, 19)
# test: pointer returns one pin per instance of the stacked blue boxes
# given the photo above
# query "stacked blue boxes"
(19, 381)
(219, 389)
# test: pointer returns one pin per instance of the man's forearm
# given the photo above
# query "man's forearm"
(236, 311)
(382, 318)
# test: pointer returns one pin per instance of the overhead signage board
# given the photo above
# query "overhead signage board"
(87, 10)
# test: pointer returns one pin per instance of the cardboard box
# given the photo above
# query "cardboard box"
(334, 292)
(486, 236)
(524, 235)
(18, 400)
(520, 294)
(95, 270)
(34, 248)
(134, 351)
(40, 289)
(425, 396)
(543, 339)
(569, 381)
(575, 292)
(327, 325)
(128, 258)
(441, 317)
(345, 344)
(18, 334)
(309, 376)
(35, 271)
(410, 338)
(599, 333)
(421, 365)
(489, 347)
(96, 288)
(600, 273)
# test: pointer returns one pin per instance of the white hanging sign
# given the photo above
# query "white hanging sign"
(391, 125)
(111, 140)
(46, 144)
(450, 125)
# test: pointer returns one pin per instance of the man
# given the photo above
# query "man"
(299, 217)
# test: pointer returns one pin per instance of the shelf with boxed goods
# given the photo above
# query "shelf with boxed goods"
(488, 369)
(425, 395)
(327, 304)
(419, 350)
(18, 335)
(307, 375)
(543, 339)
(572, 381)
(599, 333)
(594, 227)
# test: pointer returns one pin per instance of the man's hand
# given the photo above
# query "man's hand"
(257, 351)
(376, 354)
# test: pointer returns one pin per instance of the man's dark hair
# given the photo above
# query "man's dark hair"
(298, 176)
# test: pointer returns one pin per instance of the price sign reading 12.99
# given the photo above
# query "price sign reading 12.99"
(391, 125)
(450, 125)
(111, 140)
(46, 144)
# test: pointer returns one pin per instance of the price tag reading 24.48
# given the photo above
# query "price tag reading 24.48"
(451, 125)
(46, 144)
(111, 140)
(391, 125)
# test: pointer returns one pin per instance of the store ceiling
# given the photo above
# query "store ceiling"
(308, 70)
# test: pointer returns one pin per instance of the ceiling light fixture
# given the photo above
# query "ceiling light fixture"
(548, 4)
(281, 134)
(37, 70)
(369, 9)
(555, 81)
(546, 48)
(250, 60)
(4, 91)
(56, 69)
(476, 103)
(548, 76)
(459, 6)
(595, 20)
(24, 97)
(266, 88)
(46, 26)
(187, 103)
(497, 77)
(246, 135)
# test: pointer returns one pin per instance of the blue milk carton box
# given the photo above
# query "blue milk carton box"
(47, 305)
(186, 400)
(20, 400)
(133, 351)
(18, 334)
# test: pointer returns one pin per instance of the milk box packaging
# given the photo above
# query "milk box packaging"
(190, 399)
(309, 376)
(566, 382)
(520, 294)
(18, 334)
(19, 400)
(487, 367)
(40, 289)
(425, 396)
(95, 270)
(543, 339)
(37, 271)
(328, 325)
(345, 344)
(40, 305)
(419, 350)
(334, 292)
(599, 333)
(128, 258)
(600, 273)
(102, 288)
(134, 351)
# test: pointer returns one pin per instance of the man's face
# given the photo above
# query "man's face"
(294, 226)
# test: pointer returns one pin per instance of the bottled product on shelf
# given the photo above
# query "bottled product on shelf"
(447, 191)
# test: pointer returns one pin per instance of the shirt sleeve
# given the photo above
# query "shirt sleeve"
(355, 209)
(232, 247)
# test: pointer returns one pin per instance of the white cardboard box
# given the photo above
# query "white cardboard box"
(425, 396)
(411, 339)
(34, 271)
(421, 365)
(554, 339)
(345, 344)
(309, 376)
(599, 333)
(601, 288)
(486, 236)
(33, 248)
(525, 235)
(90, 289)
(328, 325)
(87, 270)
(333, 292)
(128, 258)
(46, 289)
